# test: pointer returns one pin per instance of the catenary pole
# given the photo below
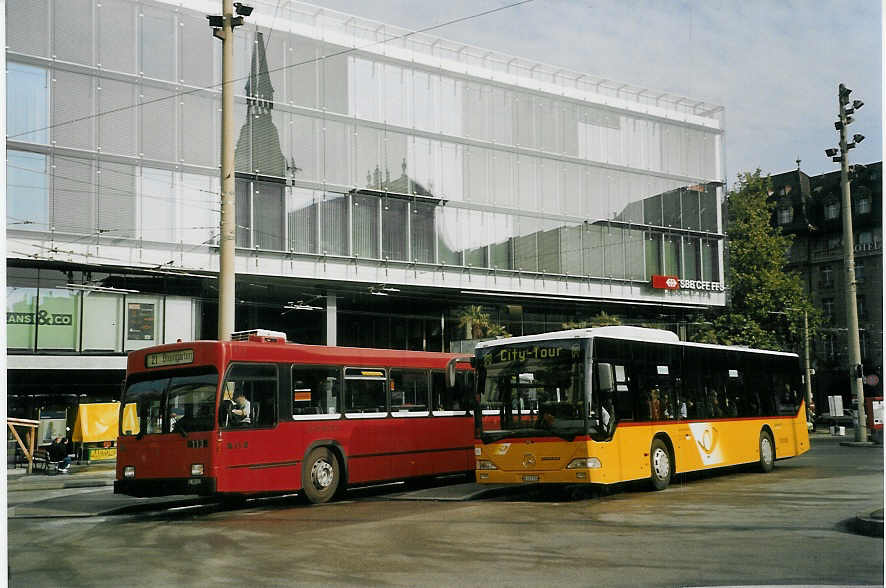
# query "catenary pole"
(228, 228)
(855, 369)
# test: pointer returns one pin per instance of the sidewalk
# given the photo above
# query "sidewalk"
(79, 476)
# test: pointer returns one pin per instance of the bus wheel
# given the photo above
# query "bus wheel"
(660, 460)
(767, 452)
(320, 475)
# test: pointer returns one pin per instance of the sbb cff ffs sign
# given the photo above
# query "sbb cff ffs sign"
(666, 282)
(675, 283)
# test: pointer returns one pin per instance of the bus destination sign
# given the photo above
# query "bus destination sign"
(167, 358)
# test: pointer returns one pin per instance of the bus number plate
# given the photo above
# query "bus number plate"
(530, 478)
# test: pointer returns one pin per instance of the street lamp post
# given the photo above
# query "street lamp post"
(856, 373)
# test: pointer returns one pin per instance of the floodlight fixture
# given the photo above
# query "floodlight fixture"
(856, 104)
(830, 152)
(858, 138)
(838, 125)
(242, 9)
(836, 159)
(844, 94)
(216, 21)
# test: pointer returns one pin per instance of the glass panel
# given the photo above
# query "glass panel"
(102, 322)
(502, 116)
(549, 248)
(368, 143)
(409, 390)
(249, 396)
(451, 172)
(634, 254)
(525, 129)
(73, 205)
(501, 182)
(302, 213)
(302, 72)
(117, 200)
(58, 319)
(365, 393)
(72, 110)
(422, 232)
(476, 174)
(27, 191)
(31, 33)
(334, 224)
(592, 249)
(690, 258)
(337, 162)
(21, 320)
(570, 249)
(196, 51)
(157, 46)
(396, 81)
(671, 209)
(117, 129)
(614, 255)
(394, 160)
(27, 103)
(116, 21)
(315, 390)
(158, 115)
(526, 244)
(365, 226)
(653, 254)
(243, 212)
(200, 143)
(335, 77)
(708, 205)
(691, 209)
(527, 187)
(451, 106)
(73, 31)
(269, 217)
(710, 261)
(672, 255)
(303, 147)
(395, 215)
(652, 213)
(199, 203)
(447, 237)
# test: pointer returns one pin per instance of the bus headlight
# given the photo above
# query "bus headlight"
(196, 469)
(584, 463)
(129, 472)
(485, 464)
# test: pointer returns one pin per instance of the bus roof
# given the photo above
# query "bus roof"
(621, 332)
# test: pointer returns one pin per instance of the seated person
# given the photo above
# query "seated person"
(58, 454)
(240, 412)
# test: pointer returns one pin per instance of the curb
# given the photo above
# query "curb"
(25, 485)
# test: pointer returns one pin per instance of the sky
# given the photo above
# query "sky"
(773, 65)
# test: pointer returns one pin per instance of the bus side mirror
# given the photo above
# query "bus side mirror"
(450, 369)
(605, 377)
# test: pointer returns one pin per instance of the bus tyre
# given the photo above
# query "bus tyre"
(321, 475)
(767, 452)
(662, 466)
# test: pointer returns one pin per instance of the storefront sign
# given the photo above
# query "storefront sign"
(675, 283)
(100, 453)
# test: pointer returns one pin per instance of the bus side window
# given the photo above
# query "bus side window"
(249, 396)
(315, 390)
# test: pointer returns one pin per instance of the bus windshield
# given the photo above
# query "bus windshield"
(181, 402)
(537, 389)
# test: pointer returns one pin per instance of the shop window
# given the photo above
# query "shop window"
(249, 396)
(21, 324)
(58, 319)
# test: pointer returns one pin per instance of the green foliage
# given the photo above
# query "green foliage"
(599, 320)
(478, 325)
(766, 303)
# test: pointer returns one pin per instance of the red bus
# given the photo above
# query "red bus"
(266, 416)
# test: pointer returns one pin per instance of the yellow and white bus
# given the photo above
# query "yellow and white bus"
(614, 404)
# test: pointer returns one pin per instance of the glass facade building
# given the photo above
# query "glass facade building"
(369, 160)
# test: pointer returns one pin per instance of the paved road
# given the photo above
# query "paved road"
(787, 527)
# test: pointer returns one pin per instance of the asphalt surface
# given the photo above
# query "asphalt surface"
(60, 503)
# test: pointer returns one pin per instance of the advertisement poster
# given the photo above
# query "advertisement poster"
(140, 321)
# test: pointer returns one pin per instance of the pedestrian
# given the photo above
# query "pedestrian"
(58, 454)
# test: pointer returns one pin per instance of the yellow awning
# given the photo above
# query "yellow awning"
(97, 422)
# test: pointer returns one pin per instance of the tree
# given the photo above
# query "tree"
(766, 302)
(478, 325)
(600, 320)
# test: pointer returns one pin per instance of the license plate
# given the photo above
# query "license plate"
(530, 478)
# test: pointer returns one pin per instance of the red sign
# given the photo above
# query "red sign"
(665, 282)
